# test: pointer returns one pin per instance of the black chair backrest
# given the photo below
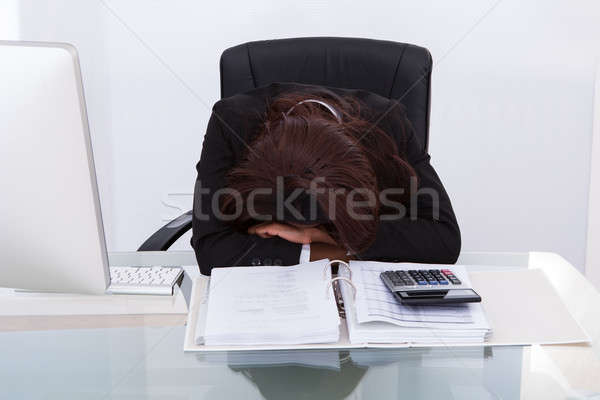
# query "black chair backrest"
(394, 70)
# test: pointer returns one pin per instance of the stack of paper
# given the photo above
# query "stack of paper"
(270, 305)
(377, 317)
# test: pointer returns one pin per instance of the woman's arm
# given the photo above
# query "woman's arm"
(429, 232)
(215, 242)
(321, 244)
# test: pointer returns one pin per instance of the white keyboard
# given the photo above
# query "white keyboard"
(143, 280)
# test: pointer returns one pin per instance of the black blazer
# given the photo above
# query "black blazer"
(236, 120)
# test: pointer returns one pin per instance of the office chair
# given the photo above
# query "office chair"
(394, 70)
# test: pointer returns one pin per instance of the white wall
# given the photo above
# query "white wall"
(9, 19)
(511, 111)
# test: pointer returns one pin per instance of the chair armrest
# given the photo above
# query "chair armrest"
(163, 238)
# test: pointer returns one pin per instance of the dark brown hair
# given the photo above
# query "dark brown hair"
(300, 142)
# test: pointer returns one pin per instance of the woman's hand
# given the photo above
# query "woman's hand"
(292, 233)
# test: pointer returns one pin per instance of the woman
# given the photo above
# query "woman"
(293, 172)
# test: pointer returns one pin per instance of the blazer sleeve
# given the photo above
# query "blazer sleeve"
(429, 235)
(215, 242)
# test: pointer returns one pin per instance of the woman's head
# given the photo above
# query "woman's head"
(312, 164)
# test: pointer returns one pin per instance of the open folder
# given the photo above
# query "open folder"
(298, 307)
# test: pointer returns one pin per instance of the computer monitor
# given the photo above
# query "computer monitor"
(51, 232)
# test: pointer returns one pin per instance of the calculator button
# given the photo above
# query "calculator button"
(443, 282)
(394, 280)
(433, 282)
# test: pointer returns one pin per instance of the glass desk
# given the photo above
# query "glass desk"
(120, 359)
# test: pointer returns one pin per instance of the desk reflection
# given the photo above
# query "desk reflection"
(477, 372)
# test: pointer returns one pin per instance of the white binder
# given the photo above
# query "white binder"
(521, 305)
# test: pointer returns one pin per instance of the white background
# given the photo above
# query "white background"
(511, 121)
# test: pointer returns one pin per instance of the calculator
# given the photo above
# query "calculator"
(428, 287)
